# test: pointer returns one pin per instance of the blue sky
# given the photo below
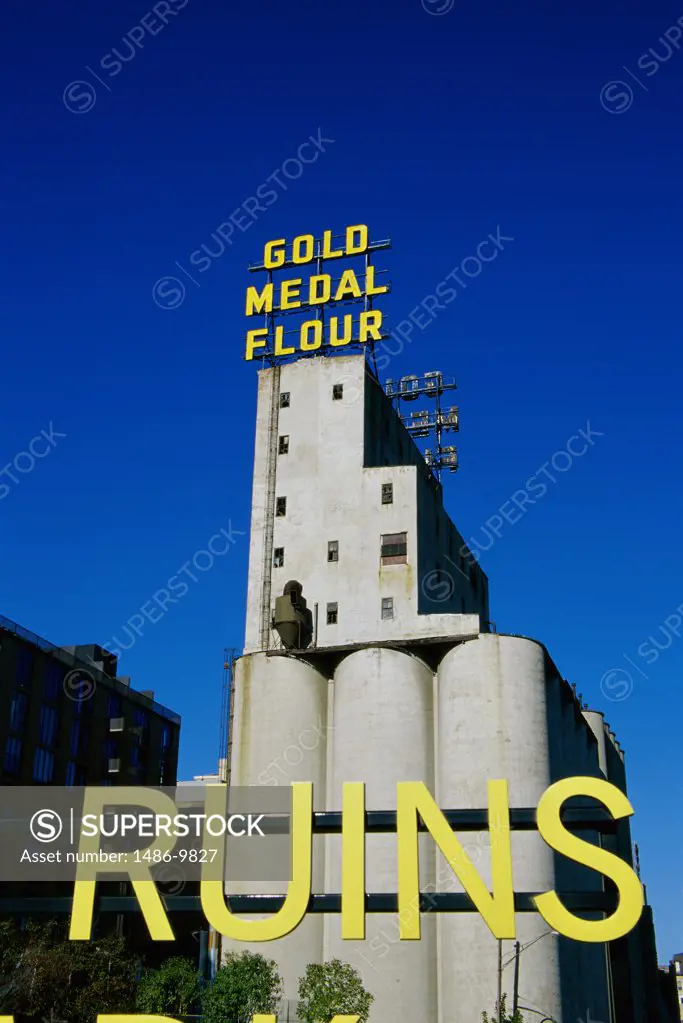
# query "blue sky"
(448, 123)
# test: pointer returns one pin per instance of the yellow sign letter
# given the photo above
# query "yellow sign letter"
(498, 910)
(552, 829)
(299, 889)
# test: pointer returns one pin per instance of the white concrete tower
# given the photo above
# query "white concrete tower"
(401, 681)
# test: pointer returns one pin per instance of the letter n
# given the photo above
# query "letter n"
(497, 910)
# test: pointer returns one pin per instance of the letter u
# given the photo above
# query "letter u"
(117, 642)
(481, 546)
(661, 629)
(215, 255)
(662, 60)
(132, 51)
(294, 907)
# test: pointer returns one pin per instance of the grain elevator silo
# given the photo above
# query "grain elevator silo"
(369, 654)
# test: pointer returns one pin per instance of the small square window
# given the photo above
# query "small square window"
(283, 445)
(280, 507)
(331, 614)
(394, 549)
(333, 550)
(279, 557)
(337, 392)
(387, 493)
(284, 399)
(387, 608)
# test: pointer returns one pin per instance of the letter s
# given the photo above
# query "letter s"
(177, 586)
(553, 831)
(443, 287)
(648, 60)
(89, 822)
(113, 63)
(649, 660)
(200, 259)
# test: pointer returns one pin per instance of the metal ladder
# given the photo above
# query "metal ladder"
(269, 510)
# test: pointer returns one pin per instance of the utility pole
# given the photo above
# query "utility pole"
(515, 996)
(500, 980)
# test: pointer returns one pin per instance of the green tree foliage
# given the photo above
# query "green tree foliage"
(504, 1016)
(44, 974)
(330, 988)
(173, 990)
(245, 984)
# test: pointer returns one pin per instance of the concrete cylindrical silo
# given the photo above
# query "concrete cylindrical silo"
(492, 722)
(383, 733)
(596, 723)
(280, 736)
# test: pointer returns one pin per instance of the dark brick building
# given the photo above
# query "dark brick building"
(66, 719)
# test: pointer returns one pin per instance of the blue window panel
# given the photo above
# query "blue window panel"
(74, 744)
(24, 665)
(54, 681)
(114, 706)
(17, 714)
(12, 762)
(49, 725)
(43, 765)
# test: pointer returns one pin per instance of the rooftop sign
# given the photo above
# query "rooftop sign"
(309, 296)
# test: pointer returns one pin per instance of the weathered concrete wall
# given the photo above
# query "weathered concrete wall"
(383, 733)
(333, 485)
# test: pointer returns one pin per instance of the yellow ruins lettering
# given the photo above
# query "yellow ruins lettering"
(413, 799)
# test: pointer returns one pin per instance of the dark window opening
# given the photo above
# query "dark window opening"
(278, 557)
(337, 391)
(24, 665)
(281, 507)
(284, 399)
(394, 549)
(115, 706)
(387, 608)
(387, 493)
(283, 445)
(333, 550)
(332, 613)
(53, 681)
